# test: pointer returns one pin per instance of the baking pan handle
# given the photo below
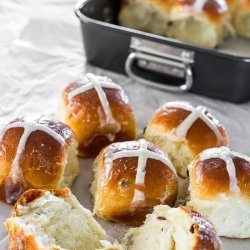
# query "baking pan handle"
(163, 61)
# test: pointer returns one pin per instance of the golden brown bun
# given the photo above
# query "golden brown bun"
(114, 186)
(173, 228)
(52, 220)
(204, 23)
(232, 4)
(44, 162)
(210, 178)
(242, 18)
(213, 9)
(182, 149)
(205, 236)
(146, 15)
(85, 115)
(166, 4)
(219, 189)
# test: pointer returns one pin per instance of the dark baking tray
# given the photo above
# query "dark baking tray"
(221, 73)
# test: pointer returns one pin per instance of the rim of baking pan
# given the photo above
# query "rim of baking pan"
(121, 29)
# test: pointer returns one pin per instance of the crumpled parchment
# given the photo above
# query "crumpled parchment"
(41, 51)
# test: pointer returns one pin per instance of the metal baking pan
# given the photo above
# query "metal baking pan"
(162, 62)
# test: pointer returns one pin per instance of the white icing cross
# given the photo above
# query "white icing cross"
(143, 155)
(98, 83)
(225, 154)
(29, 127)
(196, 113)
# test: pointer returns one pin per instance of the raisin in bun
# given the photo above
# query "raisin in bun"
(36, 152)
(99, 113)
(146, 15)
(173, 228)
(242, 18)
(201, 22)
(219, 190)
(52, 220)
(130, 179)
(184, 130)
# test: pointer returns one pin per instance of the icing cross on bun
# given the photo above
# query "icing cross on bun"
(98, 83)
(36, 152)
(184, 130)
(98, 111)
(219, 190)
(130, 179)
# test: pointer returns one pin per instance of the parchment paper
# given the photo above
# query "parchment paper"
(41, 51)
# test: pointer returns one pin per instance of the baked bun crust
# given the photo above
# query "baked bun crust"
(173, 228)
(36, 152)
(99, 113)
(204, 23)
(184, 130)
(130, 179)
(219, 189)
(52, 220)
(146, 15)
(242, 18)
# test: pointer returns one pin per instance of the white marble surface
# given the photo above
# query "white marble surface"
(41, 51)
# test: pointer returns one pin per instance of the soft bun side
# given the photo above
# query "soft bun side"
(204, 23)
(242, 18)
(219, 190)
(183, 130)
(52, 219)
(150, 15)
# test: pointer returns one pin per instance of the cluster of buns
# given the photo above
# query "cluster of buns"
(131, 178)
(201, 22)
(55, 220)
(41, 152)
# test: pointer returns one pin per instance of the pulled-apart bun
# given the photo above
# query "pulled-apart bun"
(173, 229)
(52, 220)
